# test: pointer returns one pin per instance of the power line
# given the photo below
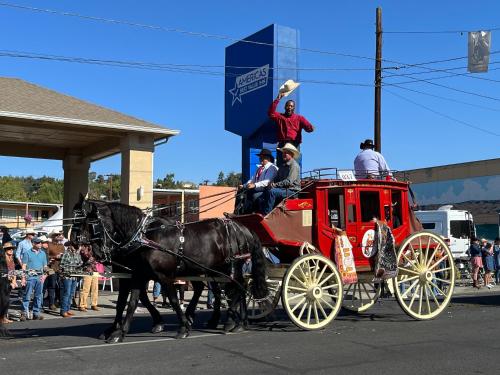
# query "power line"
(210, 35)
(443, 115)
(451, 88)
(446, 98)
(467, 75)
(438, 32)
(179, 31)
(154, 66)
(437, 70)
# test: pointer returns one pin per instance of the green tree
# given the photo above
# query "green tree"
(12, 189)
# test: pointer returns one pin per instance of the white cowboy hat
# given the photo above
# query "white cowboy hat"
(287, 88)
(290, 148)
(29, 231)
(43, 238)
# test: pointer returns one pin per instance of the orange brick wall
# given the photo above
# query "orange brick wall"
(215, 206)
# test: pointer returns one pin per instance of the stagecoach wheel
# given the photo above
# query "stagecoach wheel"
(312, 292)
(426, 275)
(260, 309)
(361, 296)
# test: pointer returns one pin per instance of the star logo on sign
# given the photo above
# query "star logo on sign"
(235, 92)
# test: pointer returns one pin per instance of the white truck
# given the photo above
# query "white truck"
(455, 225)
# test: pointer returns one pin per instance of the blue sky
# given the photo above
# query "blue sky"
(412, 136)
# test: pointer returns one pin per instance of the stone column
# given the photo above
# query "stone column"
(137, 170)
(76, 181)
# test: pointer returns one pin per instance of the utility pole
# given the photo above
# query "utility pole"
(378, 81)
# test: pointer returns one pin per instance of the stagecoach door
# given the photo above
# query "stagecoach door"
(331, 216)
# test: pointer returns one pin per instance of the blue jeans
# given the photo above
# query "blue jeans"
(68, 288)
(35, 286)
(156, 290)
(272, 197)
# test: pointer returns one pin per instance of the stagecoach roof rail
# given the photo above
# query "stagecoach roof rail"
(333, 173)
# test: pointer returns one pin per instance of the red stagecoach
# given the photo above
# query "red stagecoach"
(303, 233)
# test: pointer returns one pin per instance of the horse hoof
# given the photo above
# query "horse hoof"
(182, 335)
(157, 328)
(114, 340)
(229, 326)
(103, 336)
(238, 329)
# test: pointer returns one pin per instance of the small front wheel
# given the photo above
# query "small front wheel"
(312, 292)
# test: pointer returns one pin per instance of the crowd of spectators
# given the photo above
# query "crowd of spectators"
(485, 259)
(46, 273)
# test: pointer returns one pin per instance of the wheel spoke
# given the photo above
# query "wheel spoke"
(409, 289)
(353, 293)
(408, 279)
(434, 297)
(302, 311)
(438, 262)
(427, 300)
(309, 307)
(359, 294)
(316, 316)
(296, 296)
(428, 249)
(438, 288)
(326, 279)
(414, 296)
(331, 286)
(334, 296)
(366, 291)
(321, 309)
(302, 271)
(322, 272)
(429, 261)
(442, 270)
(327, 303)
(299, 281)
(421, 255)
(442, 280)
(420, 300)
(302, 301)
(406, 270)
(296, 288)
(316, 267)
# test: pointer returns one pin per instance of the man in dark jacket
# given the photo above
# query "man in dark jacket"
(286, 183)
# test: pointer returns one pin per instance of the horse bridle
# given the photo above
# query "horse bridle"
(99, 233)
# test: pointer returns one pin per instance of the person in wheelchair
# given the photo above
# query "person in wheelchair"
(253, 189)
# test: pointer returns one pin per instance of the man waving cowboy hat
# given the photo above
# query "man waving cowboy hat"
(290, 124)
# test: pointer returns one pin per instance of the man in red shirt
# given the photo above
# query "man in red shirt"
(289, 124)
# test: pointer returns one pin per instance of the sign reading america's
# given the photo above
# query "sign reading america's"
(249, 82)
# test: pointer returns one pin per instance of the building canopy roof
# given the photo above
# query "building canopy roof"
(42, 123)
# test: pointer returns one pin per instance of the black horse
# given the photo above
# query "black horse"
(157, 249)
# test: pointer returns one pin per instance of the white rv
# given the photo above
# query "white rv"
(455, 225)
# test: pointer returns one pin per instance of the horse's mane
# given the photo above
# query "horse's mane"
(121, 217)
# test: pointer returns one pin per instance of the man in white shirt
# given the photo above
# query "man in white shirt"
(264, 175)
(370, 163)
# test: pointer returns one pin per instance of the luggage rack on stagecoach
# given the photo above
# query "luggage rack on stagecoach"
(334, 173)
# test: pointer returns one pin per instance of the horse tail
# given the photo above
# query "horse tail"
(259, 263)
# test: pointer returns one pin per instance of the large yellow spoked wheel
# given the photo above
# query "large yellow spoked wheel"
(258, 309)
(360, 296)
(426, 275)
(312, 292)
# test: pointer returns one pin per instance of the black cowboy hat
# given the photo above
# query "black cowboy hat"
(368, 143)
(266, 153)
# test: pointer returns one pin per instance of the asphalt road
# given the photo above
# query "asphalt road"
(382, 341)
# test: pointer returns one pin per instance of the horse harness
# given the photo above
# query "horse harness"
(99, 232)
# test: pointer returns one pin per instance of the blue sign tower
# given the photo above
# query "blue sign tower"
(255, 69)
